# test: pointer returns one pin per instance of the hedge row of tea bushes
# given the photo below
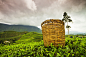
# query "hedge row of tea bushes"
(8, 34)
(30, 37)
(11, 39)
(74, 47)
(19, 49)
(11, 36)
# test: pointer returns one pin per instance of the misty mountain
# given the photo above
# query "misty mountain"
(18, 28)
(73, 32)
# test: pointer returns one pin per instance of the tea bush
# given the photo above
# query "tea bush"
(29, 47)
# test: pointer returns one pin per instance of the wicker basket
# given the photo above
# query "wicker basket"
(53, 32)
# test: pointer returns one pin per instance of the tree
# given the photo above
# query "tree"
(66, 19)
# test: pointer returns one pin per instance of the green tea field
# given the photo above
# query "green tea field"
(31, 45)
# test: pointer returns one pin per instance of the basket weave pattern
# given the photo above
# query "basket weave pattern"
(53, 32)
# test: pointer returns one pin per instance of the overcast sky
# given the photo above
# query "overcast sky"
(34, 12)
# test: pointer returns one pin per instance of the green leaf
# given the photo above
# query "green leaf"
(72, 54)
(68, 26)
(63, 19)
(51, 44)
(72, 51)
(69, 20)
(65, 14)
(58, 54)
(68, 54)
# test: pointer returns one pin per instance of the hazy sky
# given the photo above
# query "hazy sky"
(34, 12)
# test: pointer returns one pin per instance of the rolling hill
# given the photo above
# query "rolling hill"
(19, 28)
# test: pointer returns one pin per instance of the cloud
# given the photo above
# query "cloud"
(8, 7)
(31, 4)
(76, 10)
(34, 12)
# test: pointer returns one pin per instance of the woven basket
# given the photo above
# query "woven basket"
(53, 32)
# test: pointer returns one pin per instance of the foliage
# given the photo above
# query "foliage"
(7, 34)
(31, 47)
(11, 36)
(30, 37)
(66, 19)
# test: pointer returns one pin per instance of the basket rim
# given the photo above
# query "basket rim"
(52, 20)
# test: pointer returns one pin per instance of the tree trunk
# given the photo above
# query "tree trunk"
(67, 22)
(68, 31)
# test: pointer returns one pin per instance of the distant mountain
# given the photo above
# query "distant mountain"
(19, 28)
(73, 32)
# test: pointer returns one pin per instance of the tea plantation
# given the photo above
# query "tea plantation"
(31, 45)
